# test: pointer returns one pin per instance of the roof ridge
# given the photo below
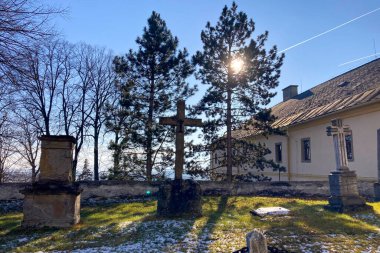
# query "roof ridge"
(336, 77)
(351, 70)
(371, 93)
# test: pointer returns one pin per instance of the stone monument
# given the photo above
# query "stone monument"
(343, 182)
(179, 197)
(377, 185)
(256, 242)
(54, 200)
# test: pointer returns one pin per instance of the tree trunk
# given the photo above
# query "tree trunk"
(75, 164)
(229, 136)
(96, 156)
(149, 162)
(34, 174)
(47, 126)
(117, 153)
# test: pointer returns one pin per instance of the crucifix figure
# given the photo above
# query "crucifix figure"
(338, 131)
(180, 121)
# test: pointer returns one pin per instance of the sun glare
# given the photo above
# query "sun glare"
(237, 65)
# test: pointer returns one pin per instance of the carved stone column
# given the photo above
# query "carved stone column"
(343, 182)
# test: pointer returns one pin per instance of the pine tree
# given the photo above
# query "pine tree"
(86, 174)
(120, 115)
(159, 71)
(240, 73)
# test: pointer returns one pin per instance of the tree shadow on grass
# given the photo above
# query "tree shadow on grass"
(316, 219)
(128, 227)
(97, 224)
(208, 228)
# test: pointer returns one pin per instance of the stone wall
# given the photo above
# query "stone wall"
(118, 189)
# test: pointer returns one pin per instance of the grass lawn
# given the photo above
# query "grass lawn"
(133, 227)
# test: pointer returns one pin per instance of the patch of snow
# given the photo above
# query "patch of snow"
(25, 239)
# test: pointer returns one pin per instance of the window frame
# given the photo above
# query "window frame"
(352, 147)
(303, 150)
(277, 152)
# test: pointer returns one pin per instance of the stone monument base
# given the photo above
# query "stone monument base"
(377, 191)
(344, 192)
(179, 197)
(51, 205)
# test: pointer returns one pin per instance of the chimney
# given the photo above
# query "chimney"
(290, 92)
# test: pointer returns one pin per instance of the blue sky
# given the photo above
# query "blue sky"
(116, 24)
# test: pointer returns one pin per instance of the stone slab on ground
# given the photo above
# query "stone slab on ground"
(272, 211)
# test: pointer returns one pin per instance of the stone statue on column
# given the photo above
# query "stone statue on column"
(343, 181)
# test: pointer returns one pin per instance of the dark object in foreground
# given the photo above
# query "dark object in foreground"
(179, 197)
(271, 249)
(377, 185)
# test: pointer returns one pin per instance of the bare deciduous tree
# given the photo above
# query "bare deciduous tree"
(102, 77)
(22, 23)
(27, 143)
(6, 148)
(43, 77)
(80, 107)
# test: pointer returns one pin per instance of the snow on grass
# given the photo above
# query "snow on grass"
(134, 227)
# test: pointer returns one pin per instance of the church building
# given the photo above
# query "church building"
(305, 150)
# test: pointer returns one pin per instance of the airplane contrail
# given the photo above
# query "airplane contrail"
(330, 30)
(362, 58)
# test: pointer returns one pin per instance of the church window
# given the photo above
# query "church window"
(305, 149)
(349, 147)
(278, 152)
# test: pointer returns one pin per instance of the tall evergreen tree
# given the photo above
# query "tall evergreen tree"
(240, 73)
(158, 70)
(121, 120)
(86, 174)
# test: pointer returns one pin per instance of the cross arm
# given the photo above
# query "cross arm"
(347, 129)
(168, 121)
(193, 122)
(330, 130)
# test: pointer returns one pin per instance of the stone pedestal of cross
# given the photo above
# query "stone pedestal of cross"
(343, 182)
(180, 121)
(179, 197)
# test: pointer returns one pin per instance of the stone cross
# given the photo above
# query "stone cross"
(180, 121)
(338, 131)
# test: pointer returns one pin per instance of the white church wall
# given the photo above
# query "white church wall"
(364, 135)
(322, 160)
(364, 123)
(270, 143)
(364, 130)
